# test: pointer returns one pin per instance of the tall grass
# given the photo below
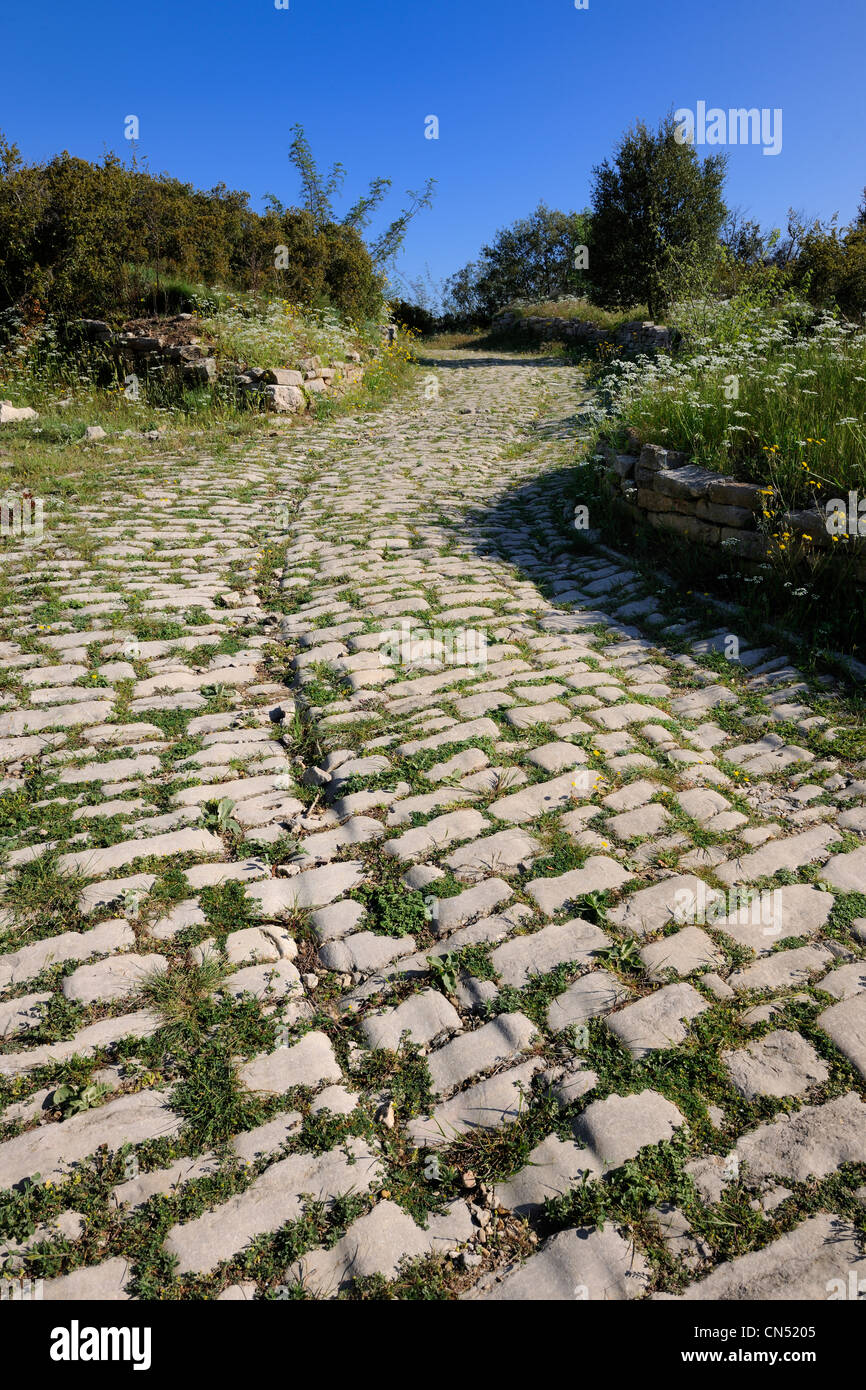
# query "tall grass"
(757, 398)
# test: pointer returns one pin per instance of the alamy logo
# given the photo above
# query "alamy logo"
(462, 646)
(737, 126)
(77, 1343)
(850, 520)
(747, 907)
(22, 516)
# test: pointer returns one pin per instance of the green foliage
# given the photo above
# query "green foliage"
(393, 909)
(80, 238)
(531, 260)
(73, 1098)
(654, 196)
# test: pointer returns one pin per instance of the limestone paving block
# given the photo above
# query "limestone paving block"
(380, 1243)
(488, 1105)
(845, 1025)
(616, 1129)
(593, 994)
(553, 1167)
(778, 1064)
(782, 969)
(658, 1020)
(502, 1040)
(683, 953)
(273, 980)
(790, 853)
(479, 901)
(95, 863)
(537, 953)
(53, 1150)
(311, 888)
(677, 898)
(309, 1062)
(273, 1199)
(505, 851)
(597, 874)
(585, 1263)
(112, 978)
(812, 1143)
(812, 1262)
(437, 834)
(103, 1283)
(425, 1017)
(364, 951)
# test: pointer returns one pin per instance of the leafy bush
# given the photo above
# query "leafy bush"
(86, 239)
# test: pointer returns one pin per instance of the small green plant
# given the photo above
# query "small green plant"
(217, 815)
(624, 954)
(71, 1099)
(444, 971)
(592, 907)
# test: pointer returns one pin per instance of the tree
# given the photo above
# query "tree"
(655, 196)
(319, 191)
(533, 259)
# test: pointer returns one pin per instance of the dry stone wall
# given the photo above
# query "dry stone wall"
(665, 489)
(636, 335)
(281, 389)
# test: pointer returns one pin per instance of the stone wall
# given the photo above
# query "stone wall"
(286, 390)
(664, 489)
(637, 336)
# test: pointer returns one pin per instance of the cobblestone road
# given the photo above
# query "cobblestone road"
(377, 889)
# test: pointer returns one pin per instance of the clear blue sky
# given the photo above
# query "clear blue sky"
(529, 95)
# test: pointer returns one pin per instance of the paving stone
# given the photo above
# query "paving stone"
(425, 1017)
(803, 1264)
(646, 820)
(111, 979)
(450, 913)
(307, 1063)
(845, 1025)
(505, 851)
(673, 899)
(312, 888)
(275, 980)
(810, 1144)
(688, 950)
(616, 1129)
(379, 1243)
(782, 970)
(273, 1199)
(846, 872)
(539, 952)
(778, 1064)
(554, 757)
(794, 910)
(845, 982)
(163, 1181)
(533, 801)
(437, 834)
(657, 1021)
(586, 1263)
(53, 1150)
(553, 1167)
(790, 853)
(267, 1139)
(22, 965)
(103, 1283)
(22, 1014)
(500, 1041)
(596, 875)
(488, 1105)
(364, 951)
